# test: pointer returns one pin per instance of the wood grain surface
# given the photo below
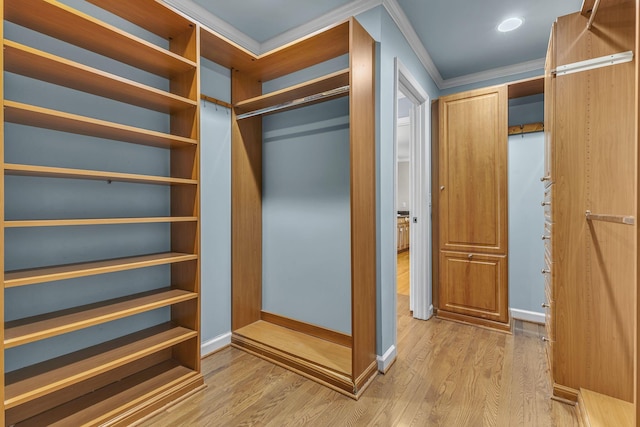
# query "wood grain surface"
(446, 374)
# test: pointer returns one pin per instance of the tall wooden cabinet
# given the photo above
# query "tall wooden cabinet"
(591, 122)
(473, 207)
(123, 379)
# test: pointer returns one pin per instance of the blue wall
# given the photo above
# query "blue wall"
(526, 216)
(215, 208)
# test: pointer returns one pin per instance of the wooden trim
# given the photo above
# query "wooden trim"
(564, 392)
(528, 128)
(307, 328)
(476, 321)
(365, 380)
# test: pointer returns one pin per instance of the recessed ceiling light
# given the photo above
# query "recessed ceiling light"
(510, 24)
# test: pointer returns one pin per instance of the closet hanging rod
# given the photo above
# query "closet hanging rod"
(294, 103)
(593, 14)
(215, 101)
(620, 219)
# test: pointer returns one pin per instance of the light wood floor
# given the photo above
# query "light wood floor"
(446, 374)
(403, 273)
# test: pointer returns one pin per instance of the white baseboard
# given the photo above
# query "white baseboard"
(430, 312)
(528, 316)
(215, 344)
(386, 360)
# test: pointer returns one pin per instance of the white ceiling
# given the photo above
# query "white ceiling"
(456, 40)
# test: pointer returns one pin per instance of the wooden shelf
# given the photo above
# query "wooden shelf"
(15, 112)
(38, 380)
(599, 410)
(53, 172)
(332, 356)
(145, 388)
(153, 16)
(26, 61)
(96, 221)
(65, 23)
(71, 271)
(312, 87)
(24, 331)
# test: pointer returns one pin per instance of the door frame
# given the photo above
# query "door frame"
(420, 232)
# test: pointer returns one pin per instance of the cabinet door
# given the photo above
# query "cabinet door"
(473, 171)
(474, 285)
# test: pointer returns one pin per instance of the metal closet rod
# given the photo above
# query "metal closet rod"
(620, 219)
(295, 102)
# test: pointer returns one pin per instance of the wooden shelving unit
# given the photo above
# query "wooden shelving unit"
(345, 363)
(122, 379)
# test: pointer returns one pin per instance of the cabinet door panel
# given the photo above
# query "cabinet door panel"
(474, 285)
(473, 171)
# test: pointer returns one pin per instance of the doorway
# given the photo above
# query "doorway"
(412, 192)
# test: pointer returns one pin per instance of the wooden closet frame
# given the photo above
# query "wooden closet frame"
(346, 363)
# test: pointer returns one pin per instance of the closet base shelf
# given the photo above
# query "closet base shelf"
(319, 360)
(475, 321)
(595, 410)
(126, 401)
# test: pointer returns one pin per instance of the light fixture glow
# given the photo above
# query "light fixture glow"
(510, 24)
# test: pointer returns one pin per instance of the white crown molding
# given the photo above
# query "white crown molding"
(211, 21)
(494, 73)
(402, 21)
(330, 18)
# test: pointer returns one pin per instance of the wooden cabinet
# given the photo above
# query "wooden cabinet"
(591, 261)
(473, 207)
(483, 295)
(127, 377)
(403, 234)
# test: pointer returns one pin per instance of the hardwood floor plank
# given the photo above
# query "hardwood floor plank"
(446, 374)
(403, 273)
